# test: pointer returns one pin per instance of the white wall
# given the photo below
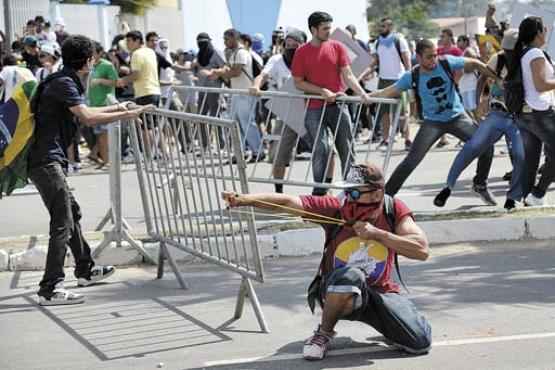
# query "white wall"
(294, 13)
(211, 16)
(84, 20)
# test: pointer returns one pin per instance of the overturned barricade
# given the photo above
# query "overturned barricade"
(180, 189)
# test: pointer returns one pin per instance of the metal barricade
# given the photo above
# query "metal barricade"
(181, 181)
(326, 129)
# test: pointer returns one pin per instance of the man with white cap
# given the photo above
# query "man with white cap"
(50, 57)
(499, 122)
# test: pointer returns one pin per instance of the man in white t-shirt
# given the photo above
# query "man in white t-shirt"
(239, 71)
(392, 58)
(12, 75)
(277, 71)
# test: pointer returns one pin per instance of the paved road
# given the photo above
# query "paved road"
(492, 306)
(25, 214)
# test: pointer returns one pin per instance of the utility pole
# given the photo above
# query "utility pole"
(8, 22)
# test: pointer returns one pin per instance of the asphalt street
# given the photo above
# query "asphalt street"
(491, 306)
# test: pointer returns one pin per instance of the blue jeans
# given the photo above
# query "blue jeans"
(391, 314)
(495, 125)
(537, 129)
(242, 110)
(462, 127)
(334, 118)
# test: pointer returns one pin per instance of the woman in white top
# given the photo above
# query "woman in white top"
(537, 123)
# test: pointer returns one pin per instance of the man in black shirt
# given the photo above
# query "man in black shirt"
(163, 63)
(58, 104)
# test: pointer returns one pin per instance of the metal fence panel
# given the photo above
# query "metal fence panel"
(181, 182)
(329, 132)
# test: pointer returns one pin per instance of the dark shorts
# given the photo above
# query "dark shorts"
(151, 121)
(391, 314)
(390, 108)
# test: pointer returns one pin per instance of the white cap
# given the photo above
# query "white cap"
(60, 21)
(51, 48)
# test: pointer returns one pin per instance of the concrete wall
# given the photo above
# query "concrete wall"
(85, 20)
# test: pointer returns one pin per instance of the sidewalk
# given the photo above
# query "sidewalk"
(491, 307)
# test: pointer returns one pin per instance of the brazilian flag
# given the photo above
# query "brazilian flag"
(16, 133)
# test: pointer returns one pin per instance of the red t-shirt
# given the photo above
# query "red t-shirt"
(451, 50)
(347, 249)
(321, 66)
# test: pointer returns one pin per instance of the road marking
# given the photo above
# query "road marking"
(381, 347)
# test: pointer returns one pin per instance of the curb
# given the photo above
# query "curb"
(284, 239)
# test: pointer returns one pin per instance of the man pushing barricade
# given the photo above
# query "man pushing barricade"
(58, 105)
(365, 231)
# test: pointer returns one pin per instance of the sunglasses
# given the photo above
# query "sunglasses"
(355, 194)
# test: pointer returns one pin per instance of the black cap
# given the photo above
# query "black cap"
(203, 36)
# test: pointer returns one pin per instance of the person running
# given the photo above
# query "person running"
(442, 111)
(354, 282)
(499, 122)
(57, 104)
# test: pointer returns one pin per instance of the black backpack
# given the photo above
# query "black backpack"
(416, 79)
(314, 289)
(513, 86)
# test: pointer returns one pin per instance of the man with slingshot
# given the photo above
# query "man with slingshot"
(365, 230)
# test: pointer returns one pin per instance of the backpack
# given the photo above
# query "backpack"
(397, 42)
(16, 136)
(513, 86)
(314, 289)
(416, 79)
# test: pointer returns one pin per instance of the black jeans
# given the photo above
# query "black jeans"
(65, 229)
(538, 128)
(461, 127)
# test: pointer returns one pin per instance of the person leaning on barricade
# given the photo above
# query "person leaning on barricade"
(365, 230)
(321, 67)
(277, 71)
(440, 106)
(58, 104)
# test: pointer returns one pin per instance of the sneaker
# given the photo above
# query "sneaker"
(484, 194)
(442, 143)
(316, 346)
(441, 198)
(257, 157)
(97, 274)
(533, 201)
(128, 159)
(61, 296)
(383, 146)
(408, 144)
(511, 204)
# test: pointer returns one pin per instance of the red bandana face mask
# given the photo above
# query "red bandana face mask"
(355, 211)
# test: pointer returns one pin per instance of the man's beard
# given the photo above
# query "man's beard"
(385, 33)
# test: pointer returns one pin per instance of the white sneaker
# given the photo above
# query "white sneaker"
(97, 274)
(533, 201)
(128, 159)
(60, 297)
(316, 346)
(383, 146)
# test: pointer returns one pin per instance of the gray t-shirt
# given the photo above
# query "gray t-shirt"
(217, 60)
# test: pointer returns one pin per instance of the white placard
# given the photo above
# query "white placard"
(360, 58)
(290, 110)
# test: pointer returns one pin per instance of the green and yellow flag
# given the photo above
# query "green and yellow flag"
(16, 133)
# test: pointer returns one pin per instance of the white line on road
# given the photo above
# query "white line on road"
(380, 347)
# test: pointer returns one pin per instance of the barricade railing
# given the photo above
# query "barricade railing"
(296, 126)
(181, 184)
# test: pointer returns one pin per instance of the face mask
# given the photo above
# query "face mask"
(288, 55)
(355, 211)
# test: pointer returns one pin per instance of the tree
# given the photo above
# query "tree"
(127, 6)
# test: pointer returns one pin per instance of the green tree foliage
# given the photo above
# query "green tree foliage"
(411, 17)
(127, 6)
